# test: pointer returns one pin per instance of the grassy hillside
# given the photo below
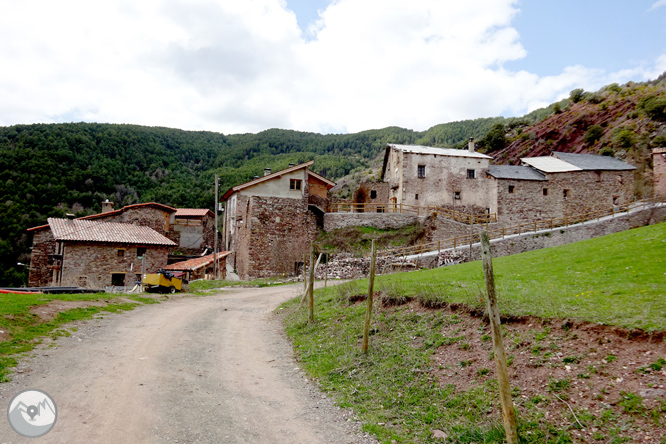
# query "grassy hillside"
(431, 369)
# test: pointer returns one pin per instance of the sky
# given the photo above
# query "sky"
(325, 66)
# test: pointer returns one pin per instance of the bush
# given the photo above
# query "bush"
(607, 151)
(655, 107)
(576, 95)
(557, 109)
(593, 134)
(659, 141)
(625, 139)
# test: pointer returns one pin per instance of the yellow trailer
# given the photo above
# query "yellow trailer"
(163, 281)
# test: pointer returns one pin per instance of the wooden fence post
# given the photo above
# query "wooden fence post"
(311, 285)
(508, 413)
(371, 284)
(305, 278)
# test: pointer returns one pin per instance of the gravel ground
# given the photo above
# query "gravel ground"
(214, 369)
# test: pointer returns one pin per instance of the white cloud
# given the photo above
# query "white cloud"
(236, 66)
(658, 4)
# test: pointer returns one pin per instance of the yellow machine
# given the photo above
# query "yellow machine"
(163, 281)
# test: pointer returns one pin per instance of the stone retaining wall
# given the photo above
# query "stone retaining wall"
(384, 221)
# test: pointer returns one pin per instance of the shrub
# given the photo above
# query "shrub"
(557, 109)
(576, 95)
(655, 107)
(593, 134)
(659, 141)
(607, 151)
(625, 138)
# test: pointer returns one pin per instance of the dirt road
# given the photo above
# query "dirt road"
(214, 369)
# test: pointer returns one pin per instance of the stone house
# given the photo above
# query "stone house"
(202, 267)
(564, 184)
(546, 187)
(442, 177)
(374, 193)
(96, 254)
(270, 221)
(193, 230)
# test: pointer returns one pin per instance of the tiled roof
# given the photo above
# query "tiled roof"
(113, 232)
(418, 149)
(193, 264)
(515, 172)
(329, 183)
(192, 212)
(591, 162)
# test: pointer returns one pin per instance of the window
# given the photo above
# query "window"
(512, 188)
(295, 184)
(118, 279)
(471, 174)
(545, 191)
(140, 252)
(456, 195)
(416, 197)
(565, 193)
(121, 253)
(373, 194)
(421, 171)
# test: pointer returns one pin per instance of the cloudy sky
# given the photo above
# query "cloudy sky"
(314, 65)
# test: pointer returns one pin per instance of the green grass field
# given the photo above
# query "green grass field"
(616, 280)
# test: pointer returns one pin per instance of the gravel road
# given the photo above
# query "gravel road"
(215, 369)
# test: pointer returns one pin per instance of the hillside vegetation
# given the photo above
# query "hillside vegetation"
(48, 170)
(584, 328)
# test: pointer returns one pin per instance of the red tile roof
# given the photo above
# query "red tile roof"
(193, 212)
(113, 232)
(197, 263)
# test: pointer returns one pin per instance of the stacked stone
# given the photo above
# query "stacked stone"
(451, 257)
(346, 266)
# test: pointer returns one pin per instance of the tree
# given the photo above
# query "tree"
(577, 95)
(593, 134)
(495, 139)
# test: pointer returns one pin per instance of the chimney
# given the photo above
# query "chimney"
(267, 171)
(291, 165)
(70, 216)
(107, 206)
(255, 177)
(470, 145)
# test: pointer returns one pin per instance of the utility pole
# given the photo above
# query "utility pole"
(216, 267)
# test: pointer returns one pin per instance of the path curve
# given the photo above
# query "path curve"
(215, 369)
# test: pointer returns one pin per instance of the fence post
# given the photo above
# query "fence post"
(326, 274)
(508, 413)
(305, 278)
(439, 247)
(535, 226)
(311, 285)
(371, 284)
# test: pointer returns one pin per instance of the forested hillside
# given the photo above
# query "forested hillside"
(51, 170)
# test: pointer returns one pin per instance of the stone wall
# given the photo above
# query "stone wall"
(366, 190)
(43, 245)
(384, 221)
(145, 216)
(93, 264)
(567, 194)
(273, 234)
(659, 168)
(564, 235)
(193, 235)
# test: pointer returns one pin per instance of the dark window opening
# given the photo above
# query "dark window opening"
(511, 189)
(118, 279)
(373, 194)
(121, 253)
(471, 174)
(416, 197)
(545, 191)
(295, 184)
(456, 195)
(565, 193)
(421, 171)
(140, 252)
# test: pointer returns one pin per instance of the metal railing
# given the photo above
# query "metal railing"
(500, 233)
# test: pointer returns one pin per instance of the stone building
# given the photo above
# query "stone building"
(96, 254)
(564, 184)
(270, 221)
(374, 193)
(547, 187)
(442, 177)
(193, 230)
(659, 169)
